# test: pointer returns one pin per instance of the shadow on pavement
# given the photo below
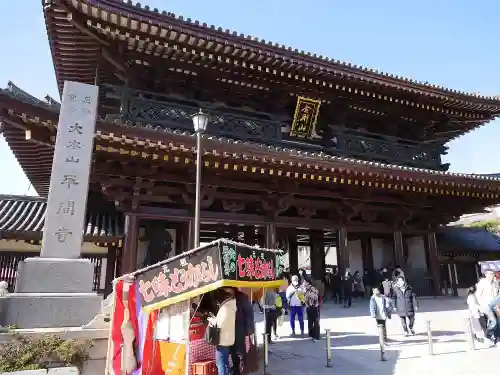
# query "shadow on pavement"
(302, 356)
(360, 307)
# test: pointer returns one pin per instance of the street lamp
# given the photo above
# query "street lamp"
(200, 122)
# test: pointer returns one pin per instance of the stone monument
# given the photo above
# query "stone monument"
(55, 289)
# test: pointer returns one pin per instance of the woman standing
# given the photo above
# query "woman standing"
(225, 321)
(358, 285)
(405, 305)
(312, 310)
(475, 315)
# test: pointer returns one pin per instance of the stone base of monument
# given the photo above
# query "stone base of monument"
(52, 292)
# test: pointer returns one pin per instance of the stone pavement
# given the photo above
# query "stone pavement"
(355, 346)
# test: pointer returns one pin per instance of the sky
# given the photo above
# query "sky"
(450, 43)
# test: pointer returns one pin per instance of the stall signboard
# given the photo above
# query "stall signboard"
(180, 275)
(244, 263)
(220, 263)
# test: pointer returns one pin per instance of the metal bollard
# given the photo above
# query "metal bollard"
(381, 342)
(470, 335)
(429, 337)
(266, 351)
(328, 349)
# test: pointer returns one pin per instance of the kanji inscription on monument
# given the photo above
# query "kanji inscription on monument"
(65, 220)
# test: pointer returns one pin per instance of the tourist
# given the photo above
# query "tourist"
(257, 295)
(347, 288)
(380, 310)
(4, 288)
(475, 315)
(303, 276)
(397, 273)
(405, 304)
(225, 321)
(271, 312)
(493, 324)
(487, 291)
(336, 286)
(386, 286)
(358, 289)
(312, 301)
(295, 298)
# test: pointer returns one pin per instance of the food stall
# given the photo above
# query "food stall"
(159, 316)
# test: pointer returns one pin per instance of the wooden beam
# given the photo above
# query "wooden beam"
(108, 174)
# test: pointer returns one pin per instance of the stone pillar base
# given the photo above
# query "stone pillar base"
(52, 292)
(51, 310)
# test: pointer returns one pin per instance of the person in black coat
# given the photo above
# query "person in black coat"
(347, 286)
(245, 326)
(405, 305)
(336, 286)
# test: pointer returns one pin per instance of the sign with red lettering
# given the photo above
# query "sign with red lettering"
(179, 276)
(247, 263)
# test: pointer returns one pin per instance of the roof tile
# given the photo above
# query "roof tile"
(20, 214)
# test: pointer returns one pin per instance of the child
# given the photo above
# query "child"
(380, 310)
(475, 314)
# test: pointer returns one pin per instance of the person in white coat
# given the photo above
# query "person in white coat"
(487, 291)
(225, 320)
(475, 314)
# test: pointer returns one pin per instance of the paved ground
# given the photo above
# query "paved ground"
(355, 346)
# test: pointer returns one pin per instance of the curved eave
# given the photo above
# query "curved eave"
(75, 54)
(136, 18)
(156, 140)
(35, 159)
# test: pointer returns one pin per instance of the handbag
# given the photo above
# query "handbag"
(212, 335)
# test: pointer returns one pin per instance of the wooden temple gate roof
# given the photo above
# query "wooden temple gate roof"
(30, 132)
(132, 38)
(23, 218)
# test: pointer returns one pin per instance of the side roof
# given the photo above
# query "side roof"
(23, 218)
(468, 239)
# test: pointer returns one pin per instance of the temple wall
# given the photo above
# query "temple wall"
(416, 252)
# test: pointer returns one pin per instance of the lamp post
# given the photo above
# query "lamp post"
(200, 122)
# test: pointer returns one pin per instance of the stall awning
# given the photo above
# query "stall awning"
(23, 218)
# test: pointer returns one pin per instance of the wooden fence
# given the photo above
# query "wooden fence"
(9, 261)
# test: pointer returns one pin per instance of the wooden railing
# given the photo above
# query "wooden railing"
(165, 111)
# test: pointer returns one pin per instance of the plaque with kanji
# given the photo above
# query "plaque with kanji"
(305, 117)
